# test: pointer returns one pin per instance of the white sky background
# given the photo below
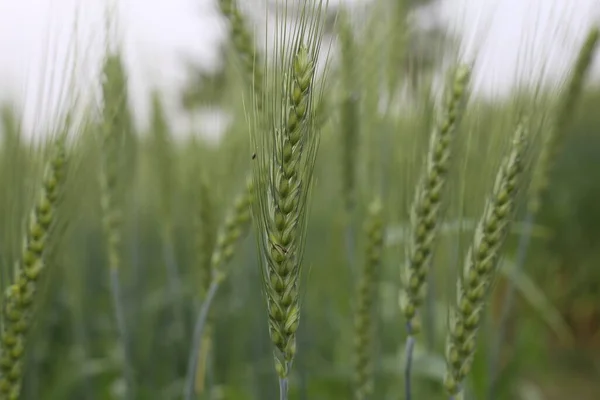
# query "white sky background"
(158, 34)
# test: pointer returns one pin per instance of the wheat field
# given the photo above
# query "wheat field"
(368, 226)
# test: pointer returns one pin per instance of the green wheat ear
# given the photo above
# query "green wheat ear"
(243, 43)
(19, 297)
(426, 213)
(283, 236)
(117, 135)
(205, 233)
(286, 139)
(480, 266)
(236, 225)
(366, 295)
(349, 111)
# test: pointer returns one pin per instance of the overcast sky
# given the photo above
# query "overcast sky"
(158, 33)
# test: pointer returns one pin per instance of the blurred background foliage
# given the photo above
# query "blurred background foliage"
(552, 349)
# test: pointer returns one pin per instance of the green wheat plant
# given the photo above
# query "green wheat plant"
(480, 268)
(21, 294)
(367, 289)
(427, 210)
(551, 147)
(235, 227)
(286, 140)
(115, 130)
(378, 229)
(164, 164)
(205, 244)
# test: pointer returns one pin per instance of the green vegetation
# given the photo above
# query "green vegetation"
(349, 236)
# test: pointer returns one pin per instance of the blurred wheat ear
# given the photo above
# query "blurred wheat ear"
(235, 227)
(366, 296)
(115, 131)
(479, 272)
(17, 315)
(552, 143)
(243, 44)
(205, 244)
(568, 102)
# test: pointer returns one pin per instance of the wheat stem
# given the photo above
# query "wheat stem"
(197, 340)
(410, 344)
(117, 298)
(283, 388)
